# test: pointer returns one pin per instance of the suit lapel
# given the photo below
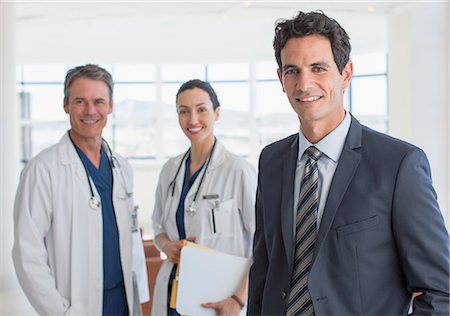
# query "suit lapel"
(287, 199)
(347, 165)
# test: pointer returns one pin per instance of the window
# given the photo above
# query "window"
(144, 123)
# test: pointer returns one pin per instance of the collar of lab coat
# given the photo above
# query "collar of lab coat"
(67, 151)
(216, 160)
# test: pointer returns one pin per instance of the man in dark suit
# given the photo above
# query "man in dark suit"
(347, 218)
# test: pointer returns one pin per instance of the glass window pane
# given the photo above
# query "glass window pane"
(375, 122)
(173, 139)
(276, 126)
(228, 71)
(46, 135)
(266, 70)
(44, 73)
(143, 92)
(369, 64)
(169, 92)
(136, 140)
(46, 102)
(182, 72)
(135, 120)
(233, 96)
(369, 96)
(270, 98)
(134, 72)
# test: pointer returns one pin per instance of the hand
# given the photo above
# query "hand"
(172, 249)
(226, 307)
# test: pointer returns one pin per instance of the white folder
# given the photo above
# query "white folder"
(207, 275)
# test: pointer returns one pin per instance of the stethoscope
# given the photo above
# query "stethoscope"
(94, 202)
(192, 208)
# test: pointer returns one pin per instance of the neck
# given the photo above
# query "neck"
(200, 153)
(315, 131)
(89, 146)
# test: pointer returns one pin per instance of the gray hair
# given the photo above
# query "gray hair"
(93, 72)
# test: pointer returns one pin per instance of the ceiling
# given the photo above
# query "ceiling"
(34, 10)
(161, 31)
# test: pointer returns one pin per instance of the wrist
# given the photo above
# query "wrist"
(162, 245)
(238, 300)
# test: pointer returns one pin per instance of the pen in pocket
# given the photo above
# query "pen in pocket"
(213, 220)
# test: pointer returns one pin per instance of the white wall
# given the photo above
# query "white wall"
(145, 181)
(9, 143)
(418, 86)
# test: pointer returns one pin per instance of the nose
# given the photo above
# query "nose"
(304, 81)
(193, 117)
(89, 108)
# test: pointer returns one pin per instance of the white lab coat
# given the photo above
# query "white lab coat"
(58, 241)
(230, 177)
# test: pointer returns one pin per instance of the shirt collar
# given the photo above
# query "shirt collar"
(332, 144)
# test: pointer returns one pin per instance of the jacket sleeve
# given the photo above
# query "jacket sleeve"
(32, 223)
(421, 237)
(258, 270)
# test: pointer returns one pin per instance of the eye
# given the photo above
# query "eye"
(290, 71)
(100, 102)
(202, 109)
(318, 69)
(182, 112)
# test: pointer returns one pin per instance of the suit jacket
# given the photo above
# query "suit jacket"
(381, 236)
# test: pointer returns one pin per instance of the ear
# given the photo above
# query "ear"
(347, 74)
(280, 78)
(110, 109)
(217, 113)
(66, 107)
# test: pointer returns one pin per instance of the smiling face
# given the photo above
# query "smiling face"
(196, 115)
(88, 106)
(312, 82)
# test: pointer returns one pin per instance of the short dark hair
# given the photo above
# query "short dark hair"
(93, 72)
(205, 86)
(313, 23)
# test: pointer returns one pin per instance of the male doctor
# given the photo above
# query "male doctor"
(77, 250)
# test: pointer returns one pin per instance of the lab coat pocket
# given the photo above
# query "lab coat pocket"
(221, 218)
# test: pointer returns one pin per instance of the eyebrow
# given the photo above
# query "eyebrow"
(197, 105)
(314, 64)
(321, 64)
(288, 66)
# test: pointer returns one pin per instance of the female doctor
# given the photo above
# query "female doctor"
(206, 195)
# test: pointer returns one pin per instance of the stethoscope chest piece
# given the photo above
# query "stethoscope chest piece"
(94, 203)
(192, 209)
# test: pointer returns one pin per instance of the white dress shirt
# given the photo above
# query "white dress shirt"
(331, 147)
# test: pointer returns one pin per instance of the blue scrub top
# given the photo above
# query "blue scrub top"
(187, 184)
(114, 296)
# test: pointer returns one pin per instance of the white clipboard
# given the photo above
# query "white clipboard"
(207, 275)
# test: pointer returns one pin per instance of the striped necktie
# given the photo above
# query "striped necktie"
(299, 302)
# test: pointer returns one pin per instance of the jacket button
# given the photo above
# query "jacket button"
(283, 294)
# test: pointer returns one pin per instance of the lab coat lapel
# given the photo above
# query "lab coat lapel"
(69, 156)
(287, 199)
(216, 160)
(345, 171)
